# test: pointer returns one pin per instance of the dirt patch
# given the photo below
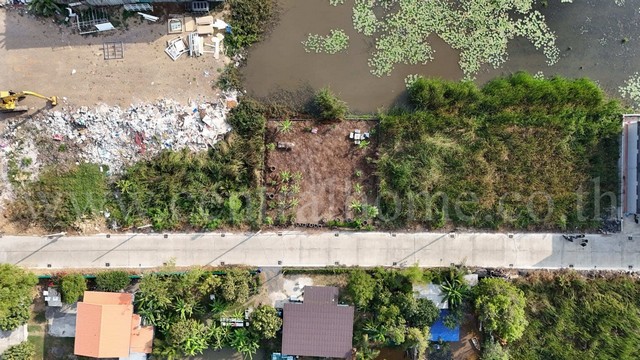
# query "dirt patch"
(48, 58)
(333, 171)
(463, 349)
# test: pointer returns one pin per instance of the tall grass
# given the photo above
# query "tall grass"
(497, 156)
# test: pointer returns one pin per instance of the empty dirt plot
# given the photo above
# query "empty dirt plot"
(319, 173)
(40, 55)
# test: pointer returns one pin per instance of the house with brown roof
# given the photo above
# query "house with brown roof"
(106, 327)
(319, 326)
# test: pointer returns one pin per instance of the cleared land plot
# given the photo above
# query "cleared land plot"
(330, 165)
(50, 59)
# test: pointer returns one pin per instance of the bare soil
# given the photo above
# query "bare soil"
(331, 165)
(463, 349)
(49, 58)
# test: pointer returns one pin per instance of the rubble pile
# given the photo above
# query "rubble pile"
(117, 137)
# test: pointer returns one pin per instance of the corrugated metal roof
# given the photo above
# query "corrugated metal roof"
(321, 330)
(321, 294)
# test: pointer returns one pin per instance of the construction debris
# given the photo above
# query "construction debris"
(118, 137)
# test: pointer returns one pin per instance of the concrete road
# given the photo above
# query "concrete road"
(292, 248)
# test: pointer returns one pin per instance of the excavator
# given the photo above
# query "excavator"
(9, 100)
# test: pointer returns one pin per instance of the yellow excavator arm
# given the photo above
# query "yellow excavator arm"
(9, 100)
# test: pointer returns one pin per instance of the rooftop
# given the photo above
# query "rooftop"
(319, 326)
(107, 328)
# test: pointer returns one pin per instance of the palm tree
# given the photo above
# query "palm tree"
(378, 332)
(365, 351)
(285, 176)
(218, 335)
(454, 291)
(286, 126)
(242, 341)
(356, 206)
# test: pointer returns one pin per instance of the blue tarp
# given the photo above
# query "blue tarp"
(439, 332)
(278, 356)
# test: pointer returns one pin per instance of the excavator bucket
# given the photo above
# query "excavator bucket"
(54, 100)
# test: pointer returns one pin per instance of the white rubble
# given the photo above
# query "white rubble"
(118, 137)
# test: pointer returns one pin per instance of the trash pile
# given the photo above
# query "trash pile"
(117, 137)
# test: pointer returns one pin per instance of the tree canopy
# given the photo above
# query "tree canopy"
(360, 288)
(265, 322)
(16, 293)
(500, 308)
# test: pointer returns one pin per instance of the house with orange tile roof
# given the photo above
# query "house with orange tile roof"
(106, 327)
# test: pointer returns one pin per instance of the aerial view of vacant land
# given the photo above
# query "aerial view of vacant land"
(334, 179)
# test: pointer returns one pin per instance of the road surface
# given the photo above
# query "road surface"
(294, 248)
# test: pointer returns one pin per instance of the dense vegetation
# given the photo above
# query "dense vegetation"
(203, 190)
(62, 196)
(500, 309)
(521, 152)
(112, 281)
(571, 317)
(249, 20)
(72, 287)
(388, 314)
(16, 293)
(328, 106)
(188, 321)
(22, 351)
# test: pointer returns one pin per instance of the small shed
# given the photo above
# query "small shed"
(432, 292)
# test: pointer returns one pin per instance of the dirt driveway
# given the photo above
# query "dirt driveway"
(42, 56)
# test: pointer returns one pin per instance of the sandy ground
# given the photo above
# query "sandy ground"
(41, 56)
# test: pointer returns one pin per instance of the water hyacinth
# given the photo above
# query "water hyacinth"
(631, 90)
(479, 29)
(364, 19)
(336, 2)
(335, 42)
(410, 79)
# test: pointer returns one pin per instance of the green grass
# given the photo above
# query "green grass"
(513, 144)
(571, 317)
(60, 197)
(38, 342)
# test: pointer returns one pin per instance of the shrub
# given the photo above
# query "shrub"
(265, 322)
(44, 7)
(73, 287)
(23, 351)
(230, 78)
(360, 288)
(249, 21)
(16, 294)
(112, 280)
(328, 106)
(491, 350)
